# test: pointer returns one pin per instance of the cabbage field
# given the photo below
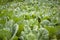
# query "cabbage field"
(29, 19)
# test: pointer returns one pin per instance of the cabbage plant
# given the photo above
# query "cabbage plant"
(29, 19)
